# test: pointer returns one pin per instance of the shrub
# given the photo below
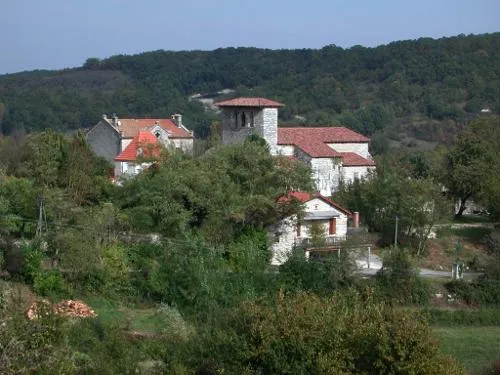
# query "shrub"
(398, 279)
(49, 283)
(307, 334)
(321, 275)
(483, 291)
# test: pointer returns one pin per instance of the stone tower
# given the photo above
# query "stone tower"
(242, 117)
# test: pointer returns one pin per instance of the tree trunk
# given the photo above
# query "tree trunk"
(462, 207)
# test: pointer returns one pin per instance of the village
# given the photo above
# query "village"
(194, 189)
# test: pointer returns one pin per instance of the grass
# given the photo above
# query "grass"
(138, 319)
(476, 347)
(468, 219)
(471, 234)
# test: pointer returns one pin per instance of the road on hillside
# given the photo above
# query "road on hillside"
(376, 265)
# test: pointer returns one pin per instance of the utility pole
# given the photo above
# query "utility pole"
(396, 233)
(42, 218)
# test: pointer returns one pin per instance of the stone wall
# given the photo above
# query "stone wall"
(104, 141)
(285, 150)
(270, 128)
(326, 175)
(184, 144)
(284, 240)
(260, 121)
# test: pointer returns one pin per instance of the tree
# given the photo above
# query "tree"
(418, 204)
(471, 163)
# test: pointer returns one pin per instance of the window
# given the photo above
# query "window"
(251, 120)
(298, 229)
(356, 175)
(243, 120)
(332, 228)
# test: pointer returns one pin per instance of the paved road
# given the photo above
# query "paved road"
(376, 264)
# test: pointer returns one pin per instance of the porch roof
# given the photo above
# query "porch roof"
(318, 215)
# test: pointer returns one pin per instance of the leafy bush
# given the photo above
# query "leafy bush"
(398, 279)
(307, 334)
(49, 283)
(320, 275)
(483, 291)
(32, 262)
(482, 317)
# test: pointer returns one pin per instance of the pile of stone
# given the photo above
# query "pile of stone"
(75, 309)
(69, 308)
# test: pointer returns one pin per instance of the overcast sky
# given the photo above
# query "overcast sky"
(54, 34)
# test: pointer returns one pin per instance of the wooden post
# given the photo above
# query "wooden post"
(369, 255)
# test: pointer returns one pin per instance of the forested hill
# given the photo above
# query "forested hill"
(425, 87)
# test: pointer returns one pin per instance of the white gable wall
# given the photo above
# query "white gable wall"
(358, 148)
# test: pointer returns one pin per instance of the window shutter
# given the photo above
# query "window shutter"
(298, 229)
(333, 226)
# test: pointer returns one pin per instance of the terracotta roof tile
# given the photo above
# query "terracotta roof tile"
(130, 127)
(249, 102)
(351, 159)
(304, 197)
(144, 145)
(314, 141)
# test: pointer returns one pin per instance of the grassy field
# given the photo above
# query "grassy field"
(476, 347)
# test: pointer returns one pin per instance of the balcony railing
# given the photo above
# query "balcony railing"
(329, 241)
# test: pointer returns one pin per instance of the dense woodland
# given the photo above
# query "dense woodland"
(405, 91)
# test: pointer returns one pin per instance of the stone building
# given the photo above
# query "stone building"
(111, 136)
(139, 154)
(334, 154)
(330, 217)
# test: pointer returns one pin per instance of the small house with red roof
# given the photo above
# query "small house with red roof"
(139, 154)
(329, 217)
(335, 154)
(110, 137)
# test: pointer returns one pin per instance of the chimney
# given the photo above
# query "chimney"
(355, 219)
(177, 118)
(115, 120)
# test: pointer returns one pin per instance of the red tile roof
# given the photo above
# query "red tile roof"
(288, 136)
(304, 197)
(249, 102)
(131, 126)
(351, 159)
(144, 145)
(314, 141)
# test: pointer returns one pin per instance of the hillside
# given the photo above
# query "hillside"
(414, 90)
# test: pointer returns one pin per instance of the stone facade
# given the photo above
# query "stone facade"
(110, 136)
(240, 122)
(290, 233)
(326, 174)
(104, 141)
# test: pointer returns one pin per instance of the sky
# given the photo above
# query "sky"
(56, 34)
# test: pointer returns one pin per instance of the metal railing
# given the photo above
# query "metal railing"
(329, 241)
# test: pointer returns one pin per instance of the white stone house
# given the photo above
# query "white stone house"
(335, 154)
(139, 154)
(111, 136)
(292, 231)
